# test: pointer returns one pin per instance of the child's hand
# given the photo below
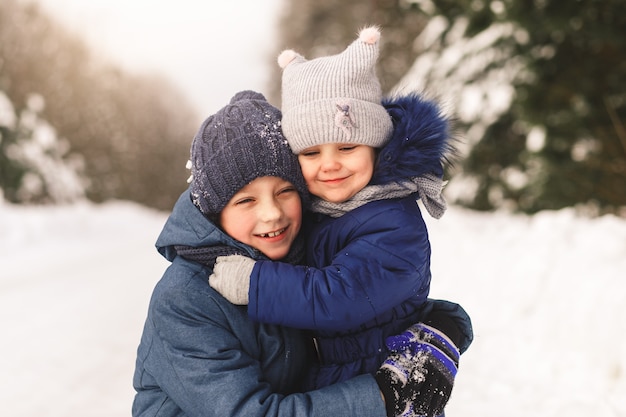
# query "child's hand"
(417, 378)
(231, 277)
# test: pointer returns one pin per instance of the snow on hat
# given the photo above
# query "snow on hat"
(241, 142)
(334, 99)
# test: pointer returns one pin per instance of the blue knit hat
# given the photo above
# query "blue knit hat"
(241, 142)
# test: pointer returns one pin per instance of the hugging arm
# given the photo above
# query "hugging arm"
(382, 265)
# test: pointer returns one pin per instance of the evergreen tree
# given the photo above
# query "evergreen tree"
(577, 56)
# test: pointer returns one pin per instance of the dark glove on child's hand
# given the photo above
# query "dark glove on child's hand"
(417, 378)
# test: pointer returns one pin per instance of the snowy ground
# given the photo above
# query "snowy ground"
(546, 294)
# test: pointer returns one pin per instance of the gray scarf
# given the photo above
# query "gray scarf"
(429, 188)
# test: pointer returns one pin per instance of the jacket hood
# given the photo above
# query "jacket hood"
(187, 226)
(420, 144)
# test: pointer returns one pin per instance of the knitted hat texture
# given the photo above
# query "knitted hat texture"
(241, 142)
(334, 99)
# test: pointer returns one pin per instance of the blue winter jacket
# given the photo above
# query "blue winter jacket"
(368, 273)
(202, 356)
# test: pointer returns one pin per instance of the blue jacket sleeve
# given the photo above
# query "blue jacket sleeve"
(385, 261)
(198, 358)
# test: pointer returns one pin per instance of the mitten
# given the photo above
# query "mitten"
(392, 378)
(231, 277)
(423, 365)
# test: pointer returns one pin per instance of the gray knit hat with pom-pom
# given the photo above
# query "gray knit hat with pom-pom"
(241, 142)
(335, 99)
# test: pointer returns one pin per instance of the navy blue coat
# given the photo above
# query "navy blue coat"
(368, 273)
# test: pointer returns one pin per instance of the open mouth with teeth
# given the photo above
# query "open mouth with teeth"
(273, 234)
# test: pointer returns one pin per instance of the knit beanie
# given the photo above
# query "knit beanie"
(334, 99)
(241, 142)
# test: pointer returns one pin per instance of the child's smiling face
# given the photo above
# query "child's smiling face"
(335, 172)
(265, 214)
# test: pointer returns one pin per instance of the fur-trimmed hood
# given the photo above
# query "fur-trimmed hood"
(421, 142)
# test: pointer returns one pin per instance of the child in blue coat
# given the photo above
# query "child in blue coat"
(368, 254)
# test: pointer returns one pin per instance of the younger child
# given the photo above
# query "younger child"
(368, 253)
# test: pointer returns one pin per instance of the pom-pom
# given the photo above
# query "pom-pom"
(286, 57)
(370, 35)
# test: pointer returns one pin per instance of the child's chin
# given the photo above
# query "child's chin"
(277, 255)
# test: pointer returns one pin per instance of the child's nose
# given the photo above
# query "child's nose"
(329, 162)
(270, 210)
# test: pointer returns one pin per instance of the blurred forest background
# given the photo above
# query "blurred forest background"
(537, 89)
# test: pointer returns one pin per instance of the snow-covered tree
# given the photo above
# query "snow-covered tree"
(538, 87)
(474, 76)
(35, 164)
